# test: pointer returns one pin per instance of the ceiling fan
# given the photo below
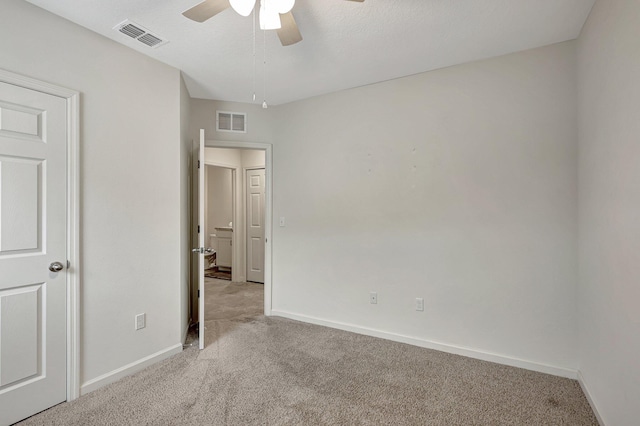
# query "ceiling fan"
(274, 15)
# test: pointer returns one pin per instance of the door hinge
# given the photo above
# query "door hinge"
(198, 294)
(198, 229)
(198, 163)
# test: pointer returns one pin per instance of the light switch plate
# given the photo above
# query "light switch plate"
(140, 321)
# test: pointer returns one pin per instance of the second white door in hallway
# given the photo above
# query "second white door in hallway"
(255, 225)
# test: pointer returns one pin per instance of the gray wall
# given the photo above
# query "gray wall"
(609, 296)
(130, 181)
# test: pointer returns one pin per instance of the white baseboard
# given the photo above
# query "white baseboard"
(585, 389)
(129, 369)
(443, 347)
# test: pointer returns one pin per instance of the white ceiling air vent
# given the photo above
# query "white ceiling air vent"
(235, 122)
(140, 33)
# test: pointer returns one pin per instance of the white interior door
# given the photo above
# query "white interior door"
(33, 139)
(255, 225)
(201, 234)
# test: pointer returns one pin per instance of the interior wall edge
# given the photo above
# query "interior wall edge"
(438, 346)
(184, 333)
(587, 394)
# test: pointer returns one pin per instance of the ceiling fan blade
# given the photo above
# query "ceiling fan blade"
(207, 9)
(289, 33)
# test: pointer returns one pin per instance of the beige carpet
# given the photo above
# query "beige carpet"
(273, 371)
(226, 300)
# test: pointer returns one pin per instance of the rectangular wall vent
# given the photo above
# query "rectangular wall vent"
(140, 33)
(235, 122)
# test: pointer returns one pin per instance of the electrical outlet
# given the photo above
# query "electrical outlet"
(373, 298)
(140, 321)
(419, 304)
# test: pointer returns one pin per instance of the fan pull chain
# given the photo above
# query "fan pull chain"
(254, 54)
(264, 74)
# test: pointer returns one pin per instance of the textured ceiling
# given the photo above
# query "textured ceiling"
(346, 44)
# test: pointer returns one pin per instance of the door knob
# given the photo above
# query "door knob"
(56, 267)
(202, 250)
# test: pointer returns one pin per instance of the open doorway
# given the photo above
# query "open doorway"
(219, 188)
(235, 237)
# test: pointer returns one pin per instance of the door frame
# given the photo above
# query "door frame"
(72, 98)
(268, 167)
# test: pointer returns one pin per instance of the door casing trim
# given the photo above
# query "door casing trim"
(72, 98)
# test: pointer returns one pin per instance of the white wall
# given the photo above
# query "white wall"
(609, 126)
(223, 157)
(130, 181)
(185, 208)
(219, 199)
(253, 158)
(458, 186)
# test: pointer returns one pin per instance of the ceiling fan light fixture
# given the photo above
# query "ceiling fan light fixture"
(269, 18)
(243, 7)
